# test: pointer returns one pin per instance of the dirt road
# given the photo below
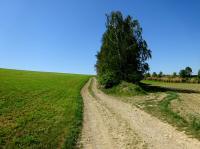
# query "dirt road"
(112, 124)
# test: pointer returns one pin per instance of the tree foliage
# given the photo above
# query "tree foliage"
(198, 75)
(188, 71)
(160, 74)
(182, 73)
(174, 74)
(154, 74)
(123, 52)
(146, 75)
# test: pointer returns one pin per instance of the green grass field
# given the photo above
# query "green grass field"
(40, 109)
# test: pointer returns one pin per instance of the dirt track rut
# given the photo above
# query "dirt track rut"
(112, 124)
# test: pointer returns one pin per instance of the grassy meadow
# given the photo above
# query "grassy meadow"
(40, 109)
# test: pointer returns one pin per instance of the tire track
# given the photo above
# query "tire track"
(112, 124)
(117, 133)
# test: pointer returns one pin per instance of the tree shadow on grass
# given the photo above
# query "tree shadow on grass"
(153, 89)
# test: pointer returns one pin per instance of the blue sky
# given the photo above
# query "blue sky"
(64, 35)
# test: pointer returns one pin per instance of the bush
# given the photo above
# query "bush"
(126, 89)
(107, 81)
(130, 88)
(146, 75)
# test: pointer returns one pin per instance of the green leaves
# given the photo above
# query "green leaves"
(187, 72)
(123, 52)
(198, 74)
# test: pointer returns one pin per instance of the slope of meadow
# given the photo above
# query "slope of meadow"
(40, 109)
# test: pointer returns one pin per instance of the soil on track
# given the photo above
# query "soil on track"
(110, 123)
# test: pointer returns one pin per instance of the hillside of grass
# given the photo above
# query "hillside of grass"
(40, 109)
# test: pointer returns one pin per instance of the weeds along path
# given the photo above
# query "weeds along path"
(112, 124)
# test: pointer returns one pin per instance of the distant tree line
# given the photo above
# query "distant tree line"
(185, 75)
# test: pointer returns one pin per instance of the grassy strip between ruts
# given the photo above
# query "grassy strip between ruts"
(39, 109)
(90, 87)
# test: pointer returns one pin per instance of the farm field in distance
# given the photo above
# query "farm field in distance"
(187, 103)
(175, 103)
(181, 86)
(40, 109)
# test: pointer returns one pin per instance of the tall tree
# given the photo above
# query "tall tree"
(123, 52)
(188, 71)
(198, 75)
(160, 74)
(182, 73)
(174, 74)
(154, 74)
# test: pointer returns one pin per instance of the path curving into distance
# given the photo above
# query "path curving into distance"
(112, 124)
